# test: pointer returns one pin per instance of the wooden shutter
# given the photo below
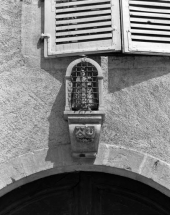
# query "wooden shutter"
(146, 26)
(81, 27)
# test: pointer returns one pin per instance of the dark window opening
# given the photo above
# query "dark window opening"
(84, 94)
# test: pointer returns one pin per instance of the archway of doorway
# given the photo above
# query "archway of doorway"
(85, 193)
(86, 168)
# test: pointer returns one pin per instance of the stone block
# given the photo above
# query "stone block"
(10, 172)
(28, 163)
(123, 158)
(156, 170)
(102, 154)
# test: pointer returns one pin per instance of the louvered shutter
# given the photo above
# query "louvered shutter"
(146, 26)
(81, 26)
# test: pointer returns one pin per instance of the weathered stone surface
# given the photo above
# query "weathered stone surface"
(110, 159)
(157, 171)
(10, 172)
(119, 157)
(137, 110)
(10, 35)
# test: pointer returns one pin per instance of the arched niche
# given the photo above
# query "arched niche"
(84, 63)
(84, 106)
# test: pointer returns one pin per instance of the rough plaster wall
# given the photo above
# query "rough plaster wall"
(138, 104)
(136, 92)
(10, 35)
(31, 115)
(32, 96)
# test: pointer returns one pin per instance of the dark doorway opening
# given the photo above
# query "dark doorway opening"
(85, 193)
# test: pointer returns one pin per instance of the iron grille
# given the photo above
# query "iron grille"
(84, 93)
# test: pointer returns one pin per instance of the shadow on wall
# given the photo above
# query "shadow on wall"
(58, 127)
(128, 70)
(124, 71)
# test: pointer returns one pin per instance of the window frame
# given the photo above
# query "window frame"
(132, 47)
(49, 32)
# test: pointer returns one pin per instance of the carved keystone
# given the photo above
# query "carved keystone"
(84, 135)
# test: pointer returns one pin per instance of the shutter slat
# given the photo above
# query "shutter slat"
(72, 47)
(89, 13)
(88, 31)
(97, 36)
(150, 14)
(86, 20)
(74, 9)
(153, 10)
(150, 32)
(89, 25)
(149, 21)
(163, 27)
(150, 38)
(149, 3)
(75, 3)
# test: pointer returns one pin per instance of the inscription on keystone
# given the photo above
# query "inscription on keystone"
(85, 134)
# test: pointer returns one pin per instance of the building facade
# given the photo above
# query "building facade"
(35, 142)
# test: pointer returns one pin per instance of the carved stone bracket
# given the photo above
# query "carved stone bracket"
(84, 134)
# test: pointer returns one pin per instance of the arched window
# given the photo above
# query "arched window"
(84, 94)
(84, 83)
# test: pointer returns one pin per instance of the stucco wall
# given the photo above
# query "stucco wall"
(33, 133)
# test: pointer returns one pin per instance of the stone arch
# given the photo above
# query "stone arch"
(75, 62)
(85, 193)
(110, 159)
